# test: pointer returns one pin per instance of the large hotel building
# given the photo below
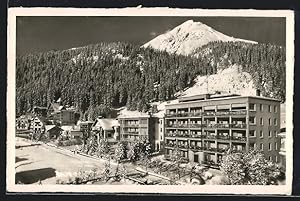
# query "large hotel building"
(203, 127)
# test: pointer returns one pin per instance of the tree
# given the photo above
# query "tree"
(120, 153)
(134, 151)
(103, 148)
(145, 154)
(250, 168)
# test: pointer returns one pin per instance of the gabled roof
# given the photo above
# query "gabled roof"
(50, 127)
(106, 124)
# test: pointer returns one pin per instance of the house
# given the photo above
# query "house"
(23, 122)
(203, 127)
(53, 131)
(38, 124)
(107, 128)
(62, 115)
(39, 111)
(71, 132)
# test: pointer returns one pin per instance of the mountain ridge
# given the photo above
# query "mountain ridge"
(187, 37)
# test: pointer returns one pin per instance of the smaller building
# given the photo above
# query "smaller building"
(53, 131)
(40, 111)
(107, 128)
(23, 122)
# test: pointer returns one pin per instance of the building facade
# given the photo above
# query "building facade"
(203, 127)
(134, 129)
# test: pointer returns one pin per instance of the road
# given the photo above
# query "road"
(36, 163)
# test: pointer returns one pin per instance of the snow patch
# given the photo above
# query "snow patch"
(230, 80)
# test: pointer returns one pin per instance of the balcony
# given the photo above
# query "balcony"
(209, 136)
(195, 125)
(196, 148)
(238, 125)
(171, 115)
(211, 149)
(171, 145)
(209, 113)
(209, 125)
(223, 137)
(131, 125)
(222, 125)
(238, 112)
(171, 134)
(184, 114)
(238, 138)
(196, 136)
(131, 132)
(183, 146)
(184, 125)
(222, 149)
(223, 113)
(195, 114)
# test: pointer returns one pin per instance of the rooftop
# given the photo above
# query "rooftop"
(209, 97)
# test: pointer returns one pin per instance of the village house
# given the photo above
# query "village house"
(53, 131)
(23, 122)
(62, 115)
(107, 129)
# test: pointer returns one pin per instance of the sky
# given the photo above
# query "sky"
(41, 34)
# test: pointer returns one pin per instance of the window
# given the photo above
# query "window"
(261, 121)
(275, 133)
(275, 109)
(275, 122)
(261, 146)
(196, 158)
(252, 133)
(276, 159)
(252, 106)
(270, 122)
(270, 158)
(270, 147)
(276, 146)
(252, 120)
(270, 133)
(252, 145)
(261, 134)
(261, 107)
(270, 108)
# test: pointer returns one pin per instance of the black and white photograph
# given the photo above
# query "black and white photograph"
(123, 100)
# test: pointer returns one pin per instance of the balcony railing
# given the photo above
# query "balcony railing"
(185, 114)
(222, 150)
(196, 148)
(238, 138)
(183, 146)
(223, 137)
(238, 125)
(238, 112)
(212, 149)
(209, 136)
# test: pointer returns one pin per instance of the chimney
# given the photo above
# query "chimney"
(257, 92)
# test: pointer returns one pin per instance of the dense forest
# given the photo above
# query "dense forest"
(264, 62)
(99, 77)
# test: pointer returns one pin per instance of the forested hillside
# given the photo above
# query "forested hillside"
(264, 62)
(98, 77)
